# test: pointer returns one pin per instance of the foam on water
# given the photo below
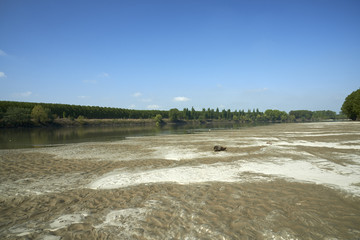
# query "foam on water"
(317, 171)
(67, 220)
(181, 175)
(21, 231)
(319, 144)
(125, 218)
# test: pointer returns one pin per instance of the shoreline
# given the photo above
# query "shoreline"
(65, 122)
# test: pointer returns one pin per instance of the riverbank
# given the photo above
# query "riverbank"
(66, 122)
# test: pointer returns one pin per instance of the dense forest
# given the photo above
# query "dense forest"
(15, 114)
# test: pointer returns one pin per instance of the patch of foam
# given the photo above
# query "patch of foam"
(47, 184)
(67, 220)
(128, 218)
(21, 231)
(317, 144)
(181, 175)
(318, 171)
(328, 134)
(51, 237)
(262, 138)
(351, 142)
(319, 134)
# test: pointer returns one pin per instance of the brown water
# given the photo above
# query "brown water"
(288, 181)
(13, 138)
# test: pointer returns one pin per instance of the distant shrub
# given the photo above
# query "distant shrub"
(40, 115)
(158, 120)
(81, 119)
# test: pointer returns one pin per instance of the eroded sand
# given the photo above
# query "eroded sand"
(288, 181)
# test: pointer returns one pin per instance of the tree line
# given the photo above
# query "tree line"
(22, 113)
(15, 114)
(270, 115)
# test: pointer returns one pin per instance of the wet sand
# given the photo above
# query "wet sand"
(286, 181)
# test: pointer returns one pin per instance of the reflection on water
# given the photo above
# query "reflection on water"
(41, 137)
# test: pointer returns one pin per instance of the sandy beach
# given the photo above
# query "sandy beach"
(282, 181)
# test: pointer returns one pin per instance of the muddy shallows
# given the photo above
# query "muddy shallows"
(285, 181)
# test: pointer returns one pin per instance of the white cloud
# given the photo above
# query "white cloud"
(2, 53)
(132, 106)
(82, 97)
(137, 94)
(23, 94)
(104, 75)
(26, 94)
(181, 99)
(2, 75)
(153, 106)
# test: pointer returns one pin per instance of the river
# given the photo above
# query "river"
(12, 138)
(280, 181)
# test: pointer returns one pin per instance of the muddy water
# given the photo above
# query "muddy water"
(288, 181)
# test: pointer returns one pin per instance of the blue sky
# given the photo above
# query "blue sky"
(144, 54)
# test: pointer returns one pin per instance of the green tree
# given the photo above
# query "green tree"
(16, 117)
(276, 115)
(228, 115)
(158, 120)
(39, 114)
(186, 114)
(193, 114)
(284, 116)
(302, 114)
(217, 113)
(320, 115)
(174, 115)
(351, 105)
